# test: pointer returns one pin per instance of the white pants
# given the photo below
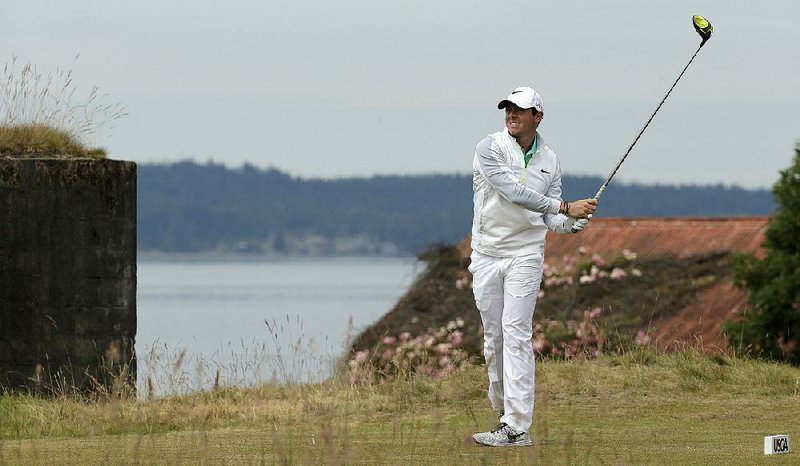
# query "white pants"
(505, 291)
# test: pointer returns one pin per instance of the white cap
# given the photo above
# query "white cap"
(523, 97)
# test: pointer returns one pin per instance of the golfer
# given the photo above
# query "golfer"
(517, 197)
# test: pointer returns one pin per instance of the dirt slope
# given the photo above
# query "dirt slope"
(683, 295)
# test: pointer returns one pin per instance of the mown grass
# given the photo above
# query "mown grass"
(637, 408)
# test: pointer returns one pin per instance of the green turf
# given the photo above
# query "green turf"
(634, 409)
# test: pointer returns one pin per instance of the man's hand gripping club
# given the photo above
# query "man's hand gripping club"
(579, 213)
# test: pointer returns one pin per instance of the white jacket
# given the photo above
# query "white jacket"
(514, 207)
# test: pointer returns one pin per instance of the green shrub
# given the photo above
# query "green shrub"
(772, 328)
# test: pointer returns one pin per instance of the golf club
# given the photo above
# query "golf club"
(704, 28)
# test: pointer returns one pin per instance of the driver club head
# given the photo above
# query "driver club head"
(703, 27)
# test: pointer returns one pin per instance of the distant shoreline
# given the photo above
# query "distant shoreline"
(208, 256)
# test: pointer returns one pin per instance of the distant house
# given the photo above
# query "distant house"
(700, 323)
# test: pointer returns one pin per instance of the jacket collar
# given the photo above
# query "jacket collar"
(513, 142)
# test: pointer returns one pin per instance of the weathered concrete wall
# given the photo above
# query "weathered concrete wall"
(67, 273)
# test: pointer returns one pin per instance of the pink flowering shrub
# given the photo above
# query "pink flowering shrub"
(435, 353)
(583, 268)
(571, 339)
(562, 337)
(588, 269)
(641, 338)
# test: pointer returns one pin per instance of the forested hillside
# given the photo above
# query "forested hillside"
(190, 207)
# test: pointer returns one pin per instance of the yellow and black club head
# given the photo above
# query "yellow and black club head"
(703, 27)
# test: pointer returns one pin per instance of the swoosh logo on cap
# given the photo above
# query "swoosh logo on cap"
(516, 92)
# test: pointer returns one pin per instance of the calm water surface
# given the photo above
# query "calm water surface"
(256, 320)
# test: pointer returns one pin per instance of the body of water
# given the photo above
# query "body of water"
(202, 321)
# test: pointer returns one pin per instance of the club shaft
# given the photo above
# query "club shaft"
(614, 172)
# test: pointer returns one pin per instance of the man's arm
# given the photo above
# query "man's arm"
(556, 222)
(562, 223)
(493, 167)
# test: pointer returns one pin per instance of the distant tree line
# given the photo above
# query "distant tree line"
(191, 207)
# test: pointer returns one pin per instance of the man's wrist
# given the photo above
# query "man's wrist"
(564, 208)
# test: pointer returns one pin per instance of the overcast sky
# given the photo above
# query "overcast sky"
(361, 87)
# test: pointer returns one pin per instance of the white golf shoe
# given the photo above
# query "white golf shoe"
(503, 436)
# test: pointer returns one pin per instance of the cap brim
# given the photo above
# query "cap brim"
(504, 103)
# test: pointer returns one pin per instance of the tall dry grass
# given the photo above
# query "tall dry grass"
(640, 407)
(41, 115)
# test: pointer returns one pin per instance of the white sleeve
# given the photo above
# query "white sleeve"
(493, 166)
(559, 223)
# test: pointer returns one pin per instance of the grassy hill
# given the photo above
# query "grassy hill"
(636, 408)
(661, 287)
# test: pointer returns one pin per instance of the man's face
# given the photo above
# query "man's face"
(521, 122)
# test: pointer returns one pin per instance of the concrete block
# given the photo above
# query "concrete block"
(68, 272)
